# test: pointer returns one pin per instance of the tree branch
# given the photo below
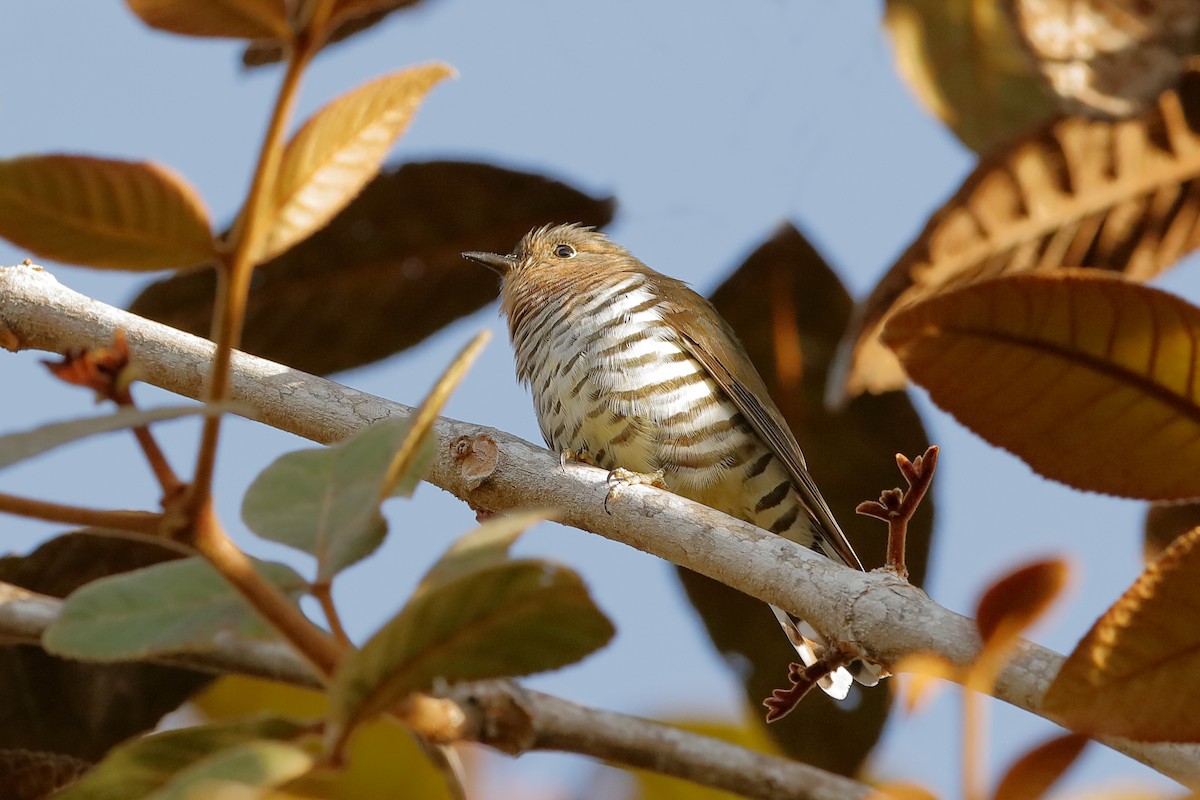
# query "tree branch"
(883, 615)
(510, 718)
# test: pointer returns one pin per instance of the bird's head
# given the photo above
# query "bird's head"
(557, 252)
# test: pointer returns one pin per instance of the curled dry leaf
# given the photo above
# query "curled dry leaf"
(102, 213)
(1134, 673)
(476, 457)
(234, 19)
(338, 151)
(962, 61)
(1087, 377)
(397, 275)
(1121, 196)
(1109, 57)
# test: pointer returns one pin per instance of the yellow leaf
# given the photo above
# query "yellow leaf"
(339, 150)
(963, 62)
(1032, 775)
(1134, 673)
(922, 674)
(384, 760)
(1078, 193)
(101, 213)
(234, 19)
(1088, 378)
(901, 790)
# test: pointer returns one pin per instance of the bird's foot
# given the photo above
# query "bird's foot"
(581, 456)
(620, 478)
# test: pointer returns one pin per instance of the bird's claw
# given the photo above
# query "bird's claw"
(621, 477)
(582, 456)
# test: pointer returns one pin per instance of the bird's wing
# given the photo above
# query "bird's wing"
(714, 344)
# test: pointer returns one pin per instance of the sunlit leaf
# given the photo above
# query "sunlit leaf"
(1165, 522)
(964, 64)
(513, 618)
(105, 214)
(155, 766)
(1031, 776)
(1107, 58)
(1121, 196)
(1131, 674)
(325, 501)
(484, 547)
(1017, 600)
(396, 247)
(16, 447)
(1087, 377)
(235, 19)
(178, 606)
(788, 308)
(381, 757)
(345, 25)
(338, 151)
(920, 676)
(61, 697)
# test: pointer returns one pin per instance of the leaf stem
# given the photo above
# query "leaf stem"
(167, 479)
(323, 592)
(143, 522)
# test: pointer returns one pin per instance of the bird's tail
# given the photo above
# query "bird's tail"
(810, 646)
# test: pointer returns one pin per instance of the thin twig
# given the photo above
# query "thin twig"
(323, 592)
(896, 507)
(143, 522)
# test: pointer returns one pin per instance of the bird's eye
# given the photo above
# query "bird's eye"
(564, 251)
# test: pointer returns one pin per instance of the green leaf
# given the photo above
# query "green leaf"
(174, 607)
(162, 765)
(514, 618)
(481, 548)
(244, 771)
(325, 501)
(19, 446)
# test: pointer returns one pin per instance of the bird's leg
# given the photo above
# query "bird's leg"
(620, 477)
(582, 456)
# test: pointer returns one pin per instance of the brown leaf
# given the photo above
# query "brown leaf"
(271, 51)
(399, 276)
(1120, 196)
(69, 707)
(101, 213)
(1134, 673)
(964, 64)
(338, 151)
(1166, 522)
(1032, 775)
(1088, 378)
(234, 19)
(1016, 601)
(785, 295)
(1105, 57)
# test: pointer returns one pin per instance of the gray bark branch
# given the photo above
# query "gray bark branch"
(877, 612)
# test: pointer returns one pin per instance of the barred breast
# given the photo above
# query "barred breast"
(611, 379)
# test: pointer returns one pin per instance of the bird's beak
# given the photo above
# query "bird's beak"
(497, 263)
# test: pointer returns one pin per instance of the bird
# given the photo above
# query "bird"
(636, 373)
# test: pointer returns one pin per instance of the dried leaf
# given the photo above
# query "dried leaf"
(1031, 776)
(1017, 600)
(234, 19)
(72, 707)
(104, 214)
(264, 52)
(1166, 522)
(513, 618)
(399, 276)
(963, 62)
(338, 151)
(1087, 377)
(1121, 196)
(1131, 675)
(1107, 58)
(790, 336)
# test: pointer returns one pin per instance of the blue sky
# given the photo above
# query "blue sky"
(710, 123)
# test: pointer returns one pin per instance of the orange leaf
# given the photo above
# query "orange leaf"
(234, 19)
(339, 150)
(1013, 603)
(1088, 378)
(922, 672)
(1079, 192)
(901, 790)
(101, 213)
(1134, 673)
(1032, 775)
